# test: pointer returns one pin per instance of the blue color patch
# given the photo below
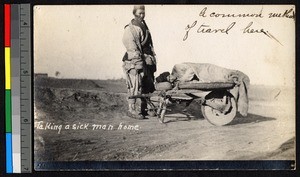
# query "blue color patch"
(9, 164)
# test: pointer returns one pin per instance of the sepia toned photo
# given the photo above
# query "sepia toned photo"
(161, 83)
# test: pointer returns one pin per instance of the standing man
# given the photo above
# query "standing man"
(139, 63)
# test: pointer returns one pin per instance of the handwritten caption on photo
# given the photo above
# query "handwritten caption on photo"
(251, 28)
(83, 126)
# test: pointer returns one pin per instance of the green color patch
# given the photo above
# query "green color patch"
(8, 128)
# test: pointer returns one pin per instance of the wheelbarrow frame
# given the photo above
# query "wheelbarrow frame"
(220, 112)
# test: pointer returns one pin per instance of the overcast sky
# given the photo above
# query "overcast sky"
(86, 41)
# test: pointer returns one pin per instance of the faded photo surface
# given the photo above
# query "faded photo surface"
(81, 97)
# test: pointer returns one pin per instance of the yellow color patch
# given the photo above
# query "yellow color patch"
(7, 68)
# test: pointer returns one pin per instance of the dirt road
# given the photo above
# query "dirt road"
(99, 129)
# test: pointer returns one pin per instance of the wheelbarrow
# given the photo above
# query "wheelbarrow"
(218, 106)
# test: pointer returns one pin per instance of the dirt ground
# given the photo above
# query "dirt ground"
(106, 133)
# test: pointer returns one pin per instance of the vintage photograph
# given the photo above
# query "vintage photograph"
(164, 83)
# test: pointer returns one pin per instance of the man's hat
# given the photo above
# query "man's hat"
(136, 7)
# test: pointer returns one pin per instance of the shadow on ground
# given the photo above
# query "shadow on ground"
(178, 112)
(250, 118)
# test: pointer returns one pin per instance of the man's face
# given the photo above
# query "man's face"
(140, 14)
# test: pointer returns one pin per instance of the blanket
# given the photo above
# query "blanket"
(204, 72)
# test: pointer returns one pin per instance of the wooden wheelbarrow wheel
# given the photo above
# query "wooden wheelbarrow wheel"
(217, 118)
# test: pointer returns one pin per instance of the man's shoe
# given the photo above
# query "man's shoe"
(135, 116)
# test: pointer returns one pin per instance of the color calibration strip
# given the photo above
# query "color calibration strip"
(15, 87)
(18, 88)
(8, 121)
(25, 87)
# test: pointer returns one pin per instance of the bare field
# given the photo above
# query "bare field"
(99, 129)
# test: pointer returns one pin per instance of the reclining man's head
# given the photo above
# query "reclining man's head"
(165, 77)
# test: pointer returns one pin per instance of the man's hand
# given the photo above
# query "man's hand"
(150, 60)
